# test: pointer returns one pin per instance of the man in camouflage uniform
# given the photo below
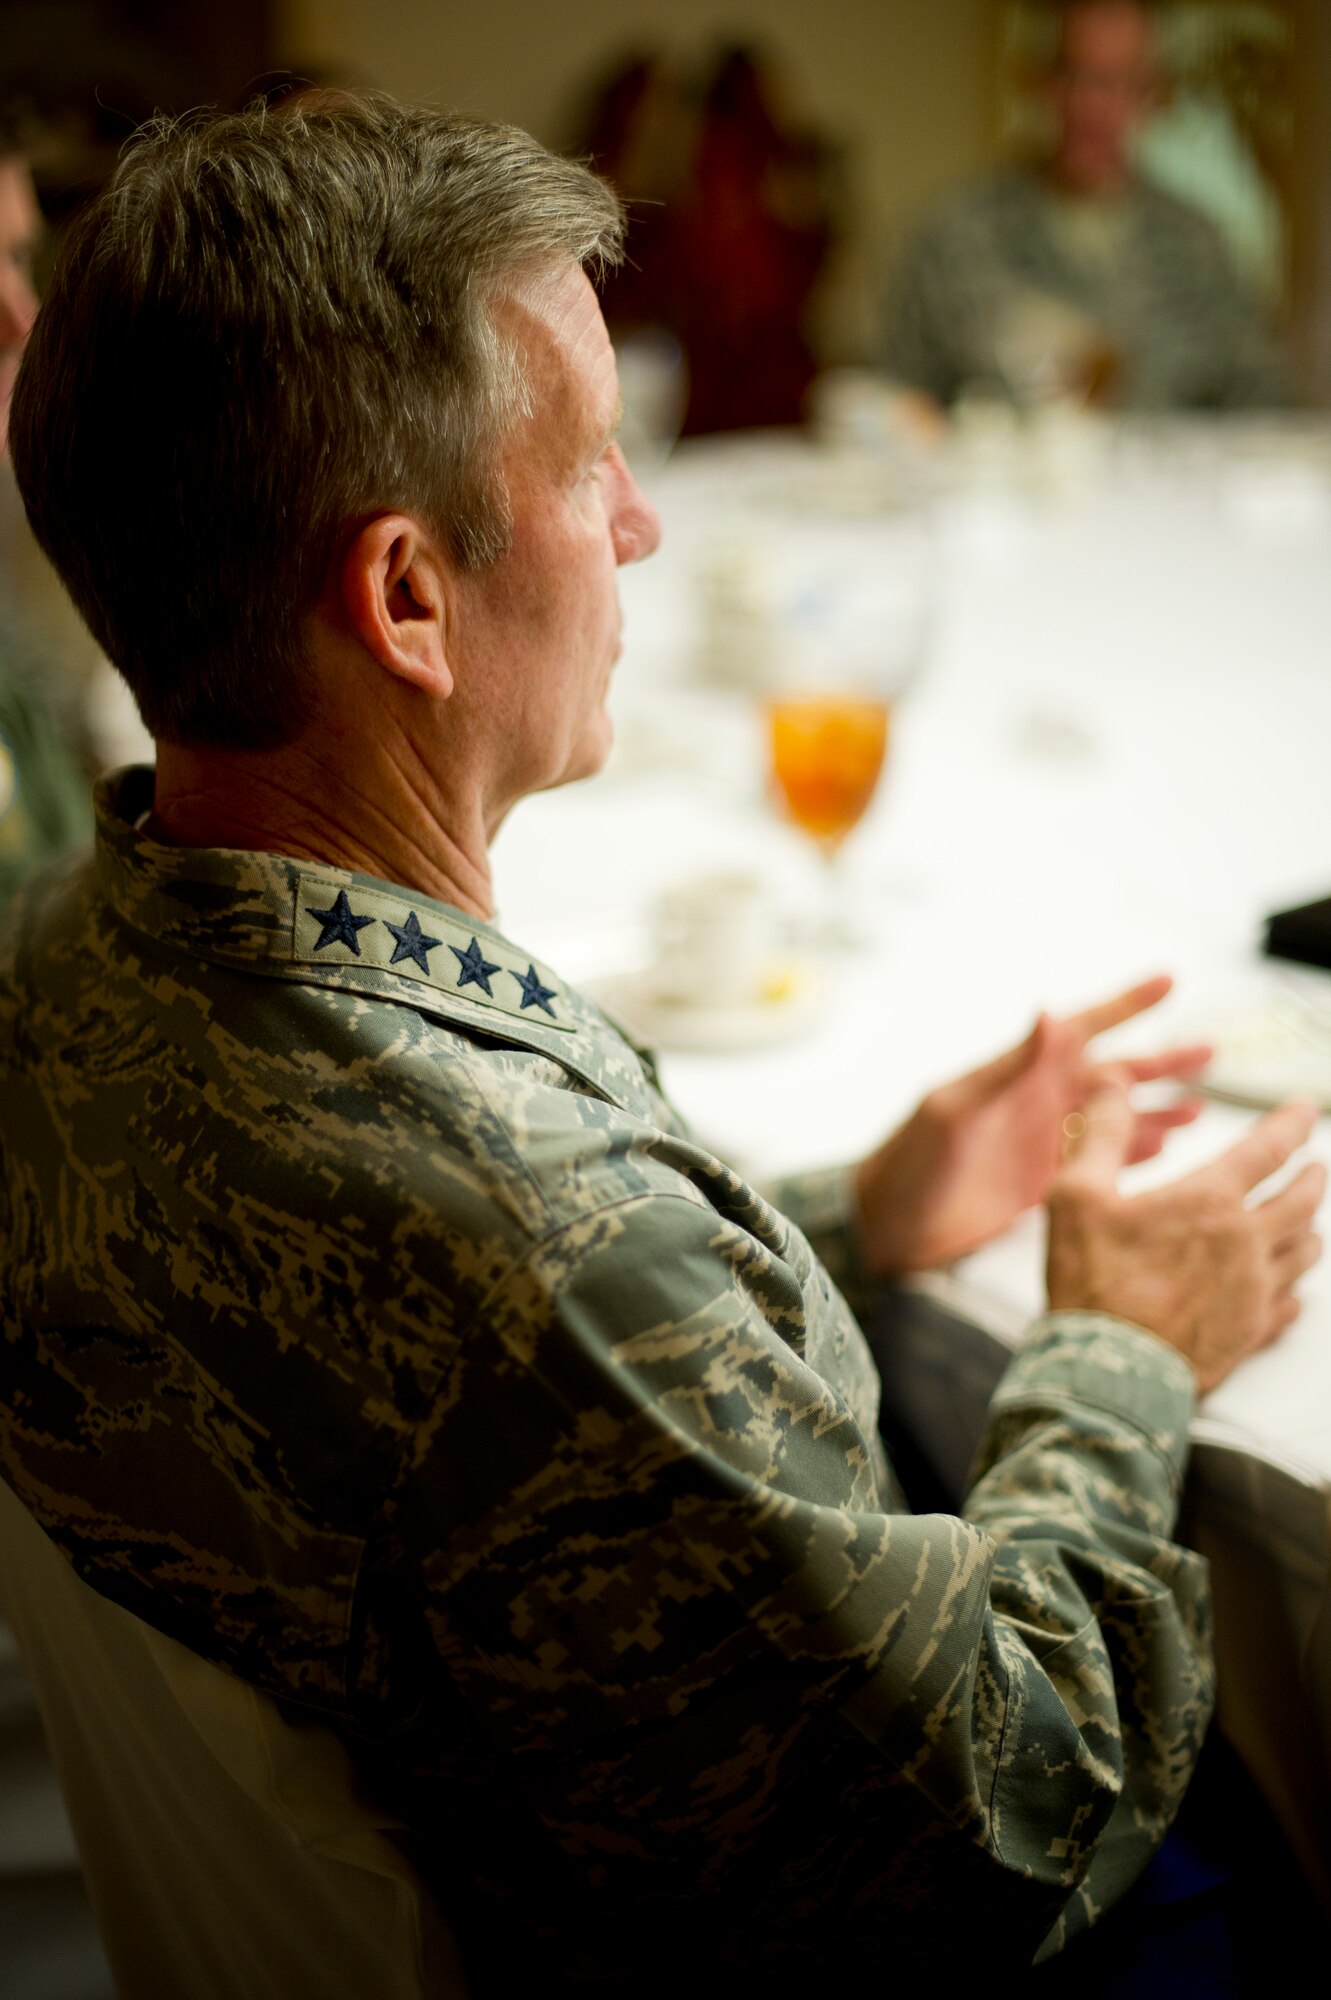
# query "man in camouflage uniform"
(1076, 276)
(371, 1322)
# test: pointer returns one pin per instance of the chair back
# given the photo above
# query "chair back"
(229, 1850)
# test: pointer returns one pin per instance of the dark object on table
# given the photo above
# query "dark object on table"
(1303, 933)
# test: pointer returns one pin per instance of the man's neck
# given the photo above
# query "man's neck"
(1106, 188)
(390, 819)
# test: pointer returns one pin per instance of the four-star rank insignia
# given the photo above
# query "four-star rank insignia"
(375, 932)
(339, 925)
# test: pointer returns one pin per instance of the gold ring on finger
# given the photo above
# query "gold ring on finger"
(1074, 1130)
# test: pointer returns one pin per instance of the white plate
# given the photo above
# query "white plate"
(793, 999)
(1270, 1050)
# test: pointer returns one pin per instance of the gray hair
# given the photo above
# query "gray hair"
(269, 325)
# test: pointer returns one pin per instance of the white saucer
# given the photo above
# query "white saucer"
(792, 999)
(1275, 1048)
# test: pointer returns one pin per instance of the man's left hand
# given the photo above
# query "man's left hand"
(980, 1151)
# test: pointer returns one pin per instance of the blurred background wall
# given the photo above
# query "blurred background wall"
(906, 88)
(911, 92)
(908, 96)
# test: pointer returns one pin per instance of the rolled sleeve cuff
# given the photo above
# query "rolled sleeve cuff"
(1086, 1359)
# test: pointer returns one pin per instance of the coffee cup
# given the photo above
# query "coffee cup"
(714, 941)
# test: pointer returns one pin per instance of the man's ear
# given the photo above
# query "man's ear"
(394, 589)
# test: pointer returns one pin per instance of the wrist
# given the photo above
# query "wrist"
(876, 1214)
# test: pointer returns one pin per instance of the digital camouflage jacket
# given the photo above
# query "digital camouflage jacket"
(1162, 295)
(373, 1326)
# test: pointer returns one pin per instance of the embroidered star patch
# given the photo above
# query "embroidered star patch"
(339, 925)
(389, 950)
(533, 993)
(412, 942)
(476, 968)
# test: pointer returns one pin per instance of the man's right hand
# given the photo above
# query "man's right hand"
(1193, 1263)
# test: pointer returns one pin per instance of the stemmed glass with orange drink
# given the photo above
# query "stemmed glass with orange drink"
(830, 704)
(827, 749)
(827, 755)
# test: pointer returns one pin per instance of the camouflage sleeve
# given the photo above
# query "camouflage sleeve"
(659, 1569)
(1248, 368)
(819, 1202)
(1077, 1483)
(918, 344)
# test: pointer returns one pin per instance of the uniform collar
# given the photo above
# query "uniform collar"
(316, 925)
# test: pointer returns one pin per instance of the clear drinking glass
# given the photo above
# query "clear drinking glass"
(852, 637)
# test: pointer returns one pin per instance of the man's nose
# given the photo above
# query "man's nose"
(637, 526)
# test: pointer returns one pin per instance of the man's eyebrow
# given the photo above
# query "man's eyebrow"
(609, 435)
(589, 447)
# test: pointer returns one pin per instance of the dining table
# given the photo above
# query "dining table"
(1110, 724)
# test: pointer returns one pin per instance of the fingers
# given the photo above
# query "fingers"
(1287, 1214)
(1153, 1127)
(1286, 1312)
(1295, 1247)
(1263, 1149)
(1285, 1315)
(1181, 1062)
(1123, 1007)
(1295, 1259)
(1105, 1143)
(992, 1077)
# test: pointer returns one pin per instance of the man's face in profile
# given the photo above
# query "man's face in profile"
(542, 624)
(19, 225)
(1103, 85)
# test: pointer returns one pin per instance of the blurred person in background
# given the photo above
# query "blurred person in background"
(1073, 276)
(754, 230)
(638, 134)
(732, 212)
(43, 791)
